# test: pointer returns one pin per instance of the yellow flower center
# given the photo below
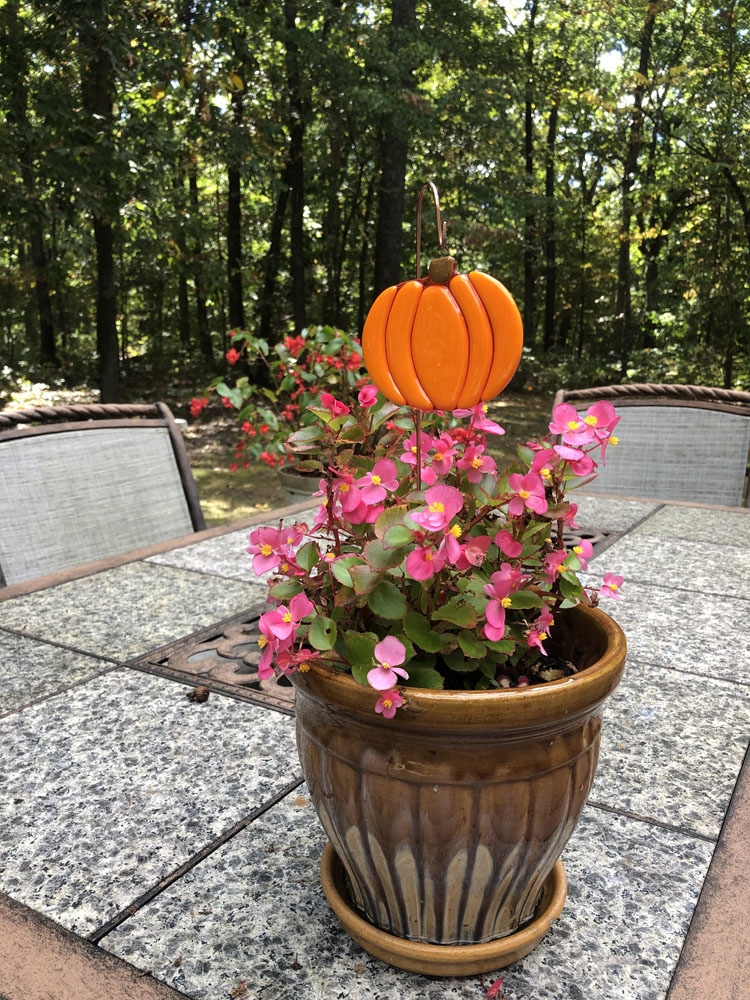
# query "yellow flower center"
(578, 549)
(344, 487)
(414, 449)
(545, 473)
(590, 420)
(456, 531)
(387, 703)
(290, 540)
(266, 549)
(506, 602)
(437, 507)
(285, 567)
(304, 667)
(375, 480)
(573, 425)
(428, 556)
(329, 556)
(614, 440)
(262, 641)
(613, 586)
(286, 617)
(476, 463)
(542, 636)
(524, 494)
(385, 666)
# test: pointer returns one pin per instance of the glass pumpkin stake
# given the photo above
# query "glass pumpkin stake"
(444, 342)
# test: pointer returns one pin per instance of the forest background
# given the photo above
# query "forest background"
(173, 171)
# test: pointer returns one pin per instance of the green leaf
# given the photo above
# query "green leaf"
(458, 662)
(397, 536)
(418, 629)
(471, 646)
(307, 434)
(387, 601)
(365, 580)
(526, 599)
(504, 646)
(322, 634)
(381, 558)
(571, 591)
(284, 590)
(341, 568)
(308, 556)
(389, 517)
(424, 677)
(383, 413)
(354, 434)
(360, 647)
(457, 614)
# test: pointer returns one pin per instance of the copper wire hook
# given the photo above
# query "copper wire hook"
(442, 227)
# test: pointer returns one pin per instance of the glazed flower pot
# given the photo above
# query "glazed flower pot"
(298, 486)
(448, 819)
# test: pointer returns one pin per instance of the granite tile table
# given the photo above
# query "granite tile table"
(141, 829)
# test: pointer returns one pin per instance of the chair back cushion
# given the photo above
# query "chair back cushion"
(84, 494)
(676, 453)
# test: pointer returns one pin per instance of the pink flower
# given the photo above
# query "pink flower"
(567, 421)
(540, 631)
(409, 456)
(611, 586)
(367, 396)
(443, 503)
(529, 493)
(289, 662)
(471, 553)
(282, 622)
(480, 421)
(583, 550)
(382, 478)
(569, 516)
(545, 461)
(388, 702)
(389, 653)
(553, 563)
(442, 460)
(265, 547)
(424, 562)
(333, 405)
(508, 545)
(499, 590)
(475, 463)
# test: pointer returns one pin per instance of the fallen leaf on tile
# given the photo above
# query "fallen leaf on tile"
(300, 801)
(240, 990)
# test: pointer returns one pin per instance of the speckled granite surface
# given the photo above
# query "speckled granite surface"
(31, 669)
(110, 786)
(683, 629)
(124, 612)
(225, 555)
(609, 515)
(255, 915)
(672, 747)
(697, 566)
(695, 524)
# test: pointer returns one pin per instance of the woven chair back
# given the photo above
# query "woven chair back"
(84, 483)
(676, 442)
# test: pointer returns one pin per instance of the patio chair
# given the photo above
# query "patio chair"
(82, 483)
(677, 442)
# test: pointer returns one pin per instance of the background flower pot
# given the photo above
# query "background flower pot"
(298, 486)
(449, 818)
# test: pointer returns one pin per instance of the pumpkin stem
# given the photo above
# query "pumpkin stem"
(441, 226)
(442, 269)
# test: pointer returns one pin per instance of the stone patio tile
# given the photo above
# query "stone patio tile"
(31, 670)
(702, 566)
(609, 515)
(672, 747)
(684, 630)
(254, 913)
(124, 612)
(225, 555)
(721, 527)
(112, 785)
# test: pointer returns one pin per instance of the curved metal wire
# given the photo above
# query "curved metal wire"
(442, 227)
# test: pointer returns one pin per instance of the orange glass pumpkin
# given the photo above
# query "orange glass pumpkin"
(444, 342)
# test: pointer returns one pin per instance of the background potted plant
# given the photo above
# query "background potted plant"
(273, 388)
(450, 669)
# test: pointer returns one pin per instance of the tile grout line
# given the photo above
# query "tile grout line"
(199, 572)
(690, 673)
(60, 645)
(678, 590)
(156, 890)
(652, 822)
(53, 694)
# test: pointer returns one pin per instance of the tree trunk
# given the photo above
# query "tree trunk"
(364, 253)
(395, 150)
(529, 227)
(296, 168)
(272, 261)
(204, 337)
(183, 305)
(13, 50)
(550, 236)
(234, 221)
(623, 316)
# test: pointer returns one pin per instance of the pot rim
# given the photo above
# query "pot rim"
(504, 709)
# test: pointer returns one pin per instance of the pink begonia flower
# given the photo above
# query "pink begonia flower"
(545, 461)
(508, 545)
(529, 492)
(583, 551)
(611, 586)
(499, 591)
(266, 546)
(381, 480)
(424, 562)
(282, 622)
(388, 702)
(575, 430)
(389, 653)
(409, 456)
(367, 396)
(540, 631)
(508, 575)
(552, 564)
(442, 460)
(480, 420)
(470, 553)
(443, 503)
(475, 463)
(289, 662)
(333, 405)
(345, 491)
(569, 516)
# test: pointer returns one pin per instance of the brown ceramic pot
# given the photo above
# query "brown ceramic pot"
(449, 817)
